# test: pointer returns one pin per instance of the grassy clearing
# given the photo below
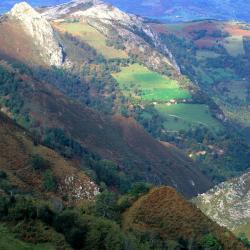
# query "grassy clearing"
(185, 116)
(211, 76)
(243, 229)
(235, 89)
(205, 54)
(238, 89)
(234, 45)
(147, 85)
(93, 37)
(9, 242)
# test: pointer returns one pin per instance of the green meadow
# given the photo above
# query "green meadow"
(148, 86)
(185, 116)
(234, 45)
(93, 37)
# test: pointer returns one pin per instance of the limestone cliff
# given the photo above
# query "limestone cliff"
(41, 32)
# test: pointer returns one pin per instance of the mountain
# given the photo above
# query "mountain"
(228, 204)
(116, 25)
(91, 99)
(37, 40)
(164, 213)
(170, 11)
(112, 137)
(115, 138)
(99, 44)
(215, 56)
(176, 11)
(97, 16)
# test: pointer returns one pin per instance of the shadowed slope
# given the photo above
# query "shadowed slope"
(17, 150)
(115, 138)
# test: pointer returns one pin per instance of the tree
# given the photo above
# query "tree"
(139, 189)
(104, 234)
(242, 237)
(209, 242)
(106, 205)
(49, 182)
(39, 163)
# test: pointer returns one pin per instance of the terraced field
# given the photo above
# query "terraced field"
(185, 116)
(93, 37)
(148, 86)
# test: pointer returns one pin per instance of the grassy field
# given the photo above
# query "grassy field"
(235, 89)
(234, 45)
(147, 85)
(185, 116)
(9, 242)
(93, 37)
(211, 76)
(205, 54)
(243, 229)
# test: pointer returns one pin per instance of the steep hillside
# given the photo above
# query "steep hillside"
(120, 28)
(35, 169)
(228, 204)
(210, 53)
(115, 138)
(215, 56)
(165, 214)
(104, 69)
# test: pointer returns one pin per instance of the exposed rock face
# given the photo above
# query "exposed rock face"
(79, 187)
(109, 21)
(64, 9)
(228, 203)
(41, 32)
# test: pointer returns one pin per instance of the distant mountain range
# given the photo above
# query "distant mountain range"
(181, 10)
(168, 11)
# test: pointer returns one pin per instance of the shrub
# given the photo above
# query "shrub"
(3, 174)
(106, 205)
(66, 220)
(209, 242)
(4, 205)
(104, 234)
(45, 214)
(49, 182)
(139, 189)
(242, 237)
(39, 163)
(23, 209)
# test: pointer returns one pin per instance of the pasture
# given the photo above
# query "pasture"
(147, 86)
(92, 37)
(185, 116)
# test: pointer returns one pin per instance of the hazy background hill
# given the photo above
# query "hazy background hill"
(182, 10)
(172, 11)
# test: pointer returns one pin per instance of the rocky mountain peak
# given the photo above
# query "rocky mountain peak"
(21, 9)
(41, 32)
(106, 11)
(68, 8)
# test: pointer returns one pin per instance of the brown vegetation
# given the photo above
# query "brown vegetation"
(164, 211)
(16, 151)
